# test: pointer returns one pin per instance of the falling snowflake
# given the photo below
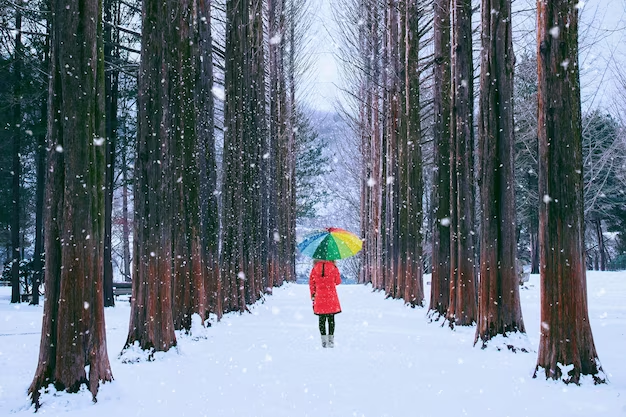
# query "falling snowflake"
(59, 148)
(241, 276)
(276, 39)
(554, 32)
(547, 199)
(98, 141)
(371, 182)
(445, 221)
(86, 305)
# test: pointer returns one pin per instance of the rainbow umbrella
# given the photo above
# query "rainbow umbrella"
(330, 244)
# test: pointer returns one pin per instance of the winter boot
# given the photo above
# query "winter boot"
(331, 341)
(324, 340)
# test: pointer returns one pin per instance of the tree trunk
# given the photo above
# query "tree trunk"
(244, 254)
(413, 189)
(440, 281)
(111, 93)
(188, 275)
(17, 163)
(499, 309)
(38, 264)
(125, 220)
(566, 337)
(462, 307)
(39, 205)
(151, 321)
(206, 155)
(601, 248)
(73, 334)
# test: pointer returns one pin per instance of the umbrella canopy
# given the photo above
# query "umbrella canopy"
(330, 244)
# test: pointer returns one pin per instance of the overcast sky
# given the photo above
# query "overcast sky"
(602, 48)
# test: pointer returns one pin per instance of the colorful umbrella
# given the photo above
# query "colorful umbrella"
(330, 244)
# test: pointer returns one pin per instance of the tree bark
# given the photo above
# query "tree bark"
(207, 159)
(499, 309)
(601, 248)
(17, 161)
(73, 332)
(413, 188)
(440, 281)
(111, 93)
(39, 204)
(462, 306)
(188, 275)
(244, 251)
(125, 220)
(151, 320)
(566, 337)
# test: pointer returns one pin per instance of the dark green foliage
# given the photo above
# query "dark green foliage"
(311, 165)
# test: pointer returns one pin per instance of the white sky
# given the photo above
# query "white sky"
(602, 49)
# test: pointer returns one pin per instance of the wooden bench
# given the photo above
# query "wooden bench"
(122, 288)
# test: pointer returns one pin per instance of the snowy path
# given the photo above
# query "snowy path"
(388, 361)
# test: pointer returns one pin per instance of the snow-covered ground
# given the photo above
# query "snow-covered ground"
(388, 361)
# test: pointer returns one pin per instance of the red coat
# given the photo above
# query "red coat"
(322, 281)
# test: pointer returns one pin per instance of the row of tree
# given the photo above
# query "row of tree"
(473, 206)
(182, 213)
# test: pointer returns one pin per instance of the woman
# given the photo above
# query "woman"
(322, 281)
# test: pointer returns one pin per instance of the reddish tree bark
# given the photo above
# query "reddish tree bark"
(188, 273)
(440, 282)
(151, 321)
(462, 306)
(73, 334)
(499, 309)
(566, 337)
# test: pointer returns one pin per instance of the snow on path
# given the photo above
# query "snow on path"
(388, 361)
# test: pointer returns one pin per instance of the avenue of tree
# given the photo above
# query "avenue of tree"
(188, 114)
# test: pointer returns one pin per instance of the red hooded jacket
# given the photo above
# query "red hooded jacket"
(322, 281)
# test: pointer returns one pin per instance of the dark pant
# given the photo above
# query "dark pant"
(331, 323)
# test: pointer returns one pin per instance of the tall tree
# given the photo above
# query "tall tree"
(189, 269)
(243, 247)
(111, 77)
(151, 321)
(566, 342)
(73, 334)
(499, 309)
(206, 157)
(440, 282)
(17, 162)
(411, 181)
(462, 306)
(38, 264)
